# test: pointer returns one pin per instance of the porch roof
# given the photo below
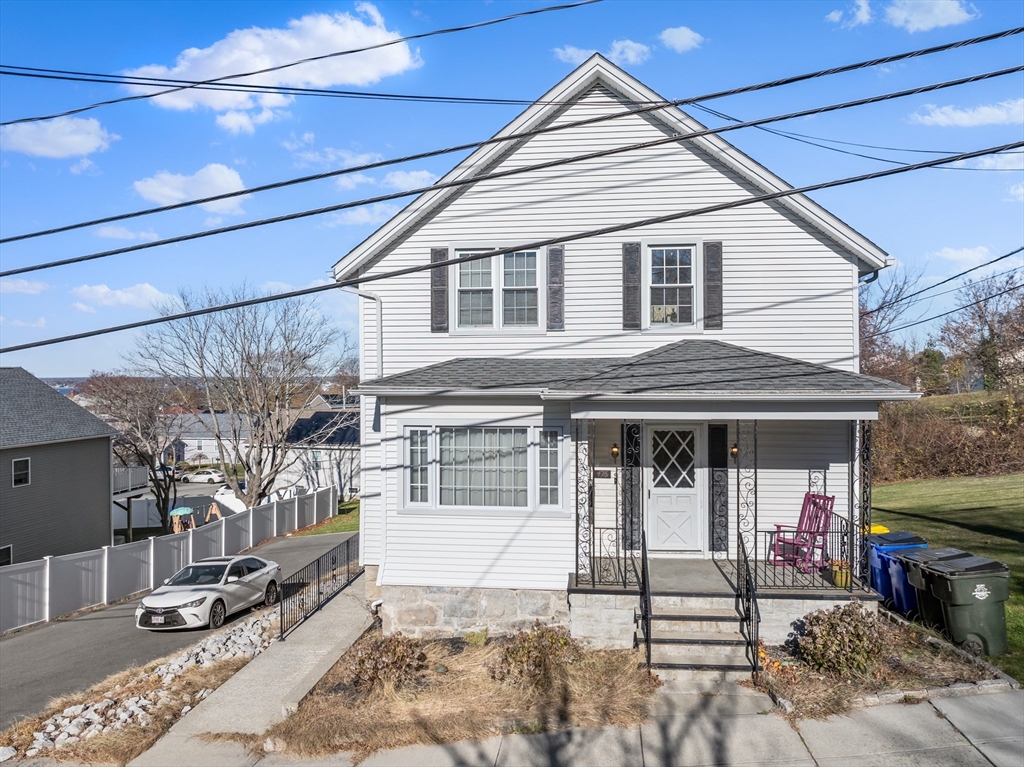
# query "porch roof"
(692, 368)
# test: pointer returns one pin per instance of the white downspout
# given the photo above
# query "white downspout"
(380, 325)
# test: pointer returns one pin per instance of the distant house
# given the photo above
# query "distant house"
(197, 440)
(323, 450)
(343, 401)
(57, 478)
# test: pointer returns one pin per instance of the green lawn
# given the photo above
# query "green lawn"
(347, 521)
(983, 515)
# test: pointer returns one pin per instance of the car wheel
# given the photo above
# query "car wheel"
(185, 480)
(217, 615)
(209, 481)
(271, 595)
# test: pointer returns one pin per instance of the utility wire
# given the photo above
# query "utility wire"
(407, 38)
(944, 314)
(954, 277)
(953, 290)
(501, 174)
(528, 134)
(535, 245)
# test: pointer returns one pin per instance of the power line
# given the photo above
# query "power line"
(954, 290)
(528, 134)
(501, 174)
(364, 49)
(955, 277)
(944, 314)
(537, 244)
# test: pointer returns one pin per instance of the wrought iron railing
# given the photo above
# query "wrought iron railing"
(794, 559)
(305, 591)
(746, 583)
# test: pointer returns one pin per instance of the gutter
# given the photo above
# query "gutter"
(718, 396)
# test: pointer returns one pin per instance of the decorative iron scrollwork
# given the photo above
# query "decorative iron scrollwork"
(582, 437)
(719, 512)
(817, 482)
(632, 485)
(862, 524)
(746, 488)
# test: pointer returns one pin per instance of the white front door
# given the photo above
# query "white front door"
(676, 516)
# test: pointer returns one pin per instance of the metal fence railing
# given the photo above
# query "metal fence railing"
(127, 478)
(807, 560)
(49, 588)
(306, 590)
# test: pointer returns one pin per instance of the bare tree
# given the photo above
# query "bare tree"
(142, 410)
(883, 305)
(987, 335)
(257, 367)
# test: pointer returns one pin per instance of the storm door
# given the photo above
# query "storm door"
(676, 510)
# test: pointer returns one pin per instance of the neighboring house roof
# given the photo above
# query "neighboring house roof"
(32, 412)
(338, 401)
(200, 426)
(325, 428)
(596, 71)
(694, 367)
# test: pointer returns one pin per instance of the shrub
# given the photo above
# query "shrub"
(843, 639)
(387, 660)
(476, 638)
(535, 657)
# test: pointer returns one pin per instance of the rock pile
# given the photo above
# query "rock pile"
(116, 710)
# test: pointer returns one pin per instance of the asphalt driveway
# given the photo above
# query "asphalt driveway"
(64, 656)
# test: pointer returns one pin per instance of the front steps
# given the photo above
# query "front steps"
(696, 637)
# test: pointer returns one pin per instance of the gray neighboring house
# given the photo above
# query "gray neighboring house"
(56, 473)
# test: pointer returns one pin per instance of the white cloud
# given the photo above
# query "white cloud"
(1004, 113)
(835, 16)
(963, 257)
(123, 233)
(85, 165)
(246, 50)
(377, 213)
(352, 180)
(861, 14)
(1002, 161)
(18, 285)
(570, 54)
(59, 137)
(212, 221)
(168, 188)
(294, 143)
(40, 323)
(1017, 192)
(142, 296)
(82, 307)
(628, 52)
(409, 179)
(305, 154)
(923, 15)
(680, 39)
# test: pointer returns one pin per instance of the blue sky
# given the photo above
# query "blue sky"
(133, 155)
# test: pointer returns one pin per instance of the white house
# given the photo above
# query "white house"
(610, 426)
(323, 450)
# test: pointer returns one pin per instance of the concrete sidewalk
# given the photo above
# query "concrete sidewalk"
(262, 693)
(738, 727)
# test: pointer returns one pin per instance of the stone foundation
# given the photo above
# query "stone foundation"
(440, 611)
(779, 615)
(370, 581)
(603, 621)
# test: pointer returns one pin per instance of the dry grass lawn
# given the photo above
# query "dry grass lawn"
(464, 702)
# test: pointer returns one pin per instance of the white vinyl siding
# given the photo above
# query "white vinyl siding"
(787, 290)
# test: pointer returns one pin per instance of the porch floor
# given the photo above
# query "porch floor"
(713, 577)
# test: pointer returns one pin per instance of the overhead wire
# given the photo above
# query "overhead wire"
(309, 59)
(536, 244)
(945, 314)
(502, 174)
(529, 134)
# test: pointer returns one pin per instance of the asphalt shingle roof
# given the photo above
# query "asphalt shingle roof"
(326, 427)
(32, 412)
(693, 365)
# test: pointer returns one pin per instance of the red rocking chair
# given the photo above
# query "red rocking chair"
(804, 546)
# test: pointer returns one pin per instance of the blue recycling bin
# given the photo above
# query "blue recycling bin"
(904, 595)
(878, 562)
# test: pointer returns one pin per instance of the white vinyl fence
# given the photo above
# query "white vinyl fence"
(48, 588)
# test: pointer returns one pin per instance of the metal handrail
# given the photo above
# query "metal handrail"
(747, 583)
(303, 592)
(645, 601)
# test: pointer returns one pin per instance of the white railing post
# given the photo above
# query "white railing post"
(295, 504)
(273, 518)
(46, 590)
(223, 537)
(152, 562)
(106, 571)
(252, 514)
(191, 530)
(316, 507)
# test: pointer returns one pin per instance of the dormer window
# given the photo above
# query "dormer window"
(499, 292)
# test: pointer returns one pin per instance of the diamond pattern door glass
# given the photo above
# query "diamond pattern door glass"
(672, 458)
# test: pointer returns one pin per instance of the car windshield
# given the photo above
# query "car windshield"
(198, 575)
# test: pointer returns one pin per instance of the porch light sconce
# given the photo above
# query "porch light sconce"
(734, 451)
(615, 451)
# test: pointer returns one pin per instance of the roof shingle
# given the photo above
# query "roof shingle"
(31, 412)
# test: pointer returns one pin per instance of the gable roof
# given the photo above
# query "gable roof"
(335, 429)
(693, 367)
(598, 71)
(32, 413)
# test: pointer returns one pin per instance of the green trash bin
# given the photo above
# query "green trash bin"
(972, 591)
(929, 609)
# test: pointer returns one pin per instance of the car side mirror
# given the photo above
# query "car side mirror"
(166, 581)
(232, 578)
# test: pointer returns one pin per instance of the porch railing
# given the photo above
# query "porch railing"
(645, 602)
(128, 478)
(746, 584)
(825, 561)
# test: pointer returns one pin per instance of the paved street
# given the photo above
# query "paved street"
(64, 656)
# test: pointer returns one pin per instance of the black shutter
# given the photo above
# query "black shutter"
(631, 299)
(556, 287)
(712, 285)
(718, 462)
(439, 292)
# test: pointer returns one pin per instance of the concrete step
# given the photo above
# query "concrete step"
(700, 642)
(677, 622)
(673, 674)
(697, 657)
(676, 603)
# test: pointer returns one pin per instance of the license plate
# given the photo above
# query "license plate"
(157, 619)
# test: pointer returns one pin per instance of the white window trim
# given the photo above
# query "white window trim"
(16, 460)
(434, 506)
(646, 244)
(497, 284)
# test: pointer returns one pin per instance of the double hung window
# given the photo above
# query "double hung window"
(21, 472)
(516, 467)
(671, 285)
(499, 292)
